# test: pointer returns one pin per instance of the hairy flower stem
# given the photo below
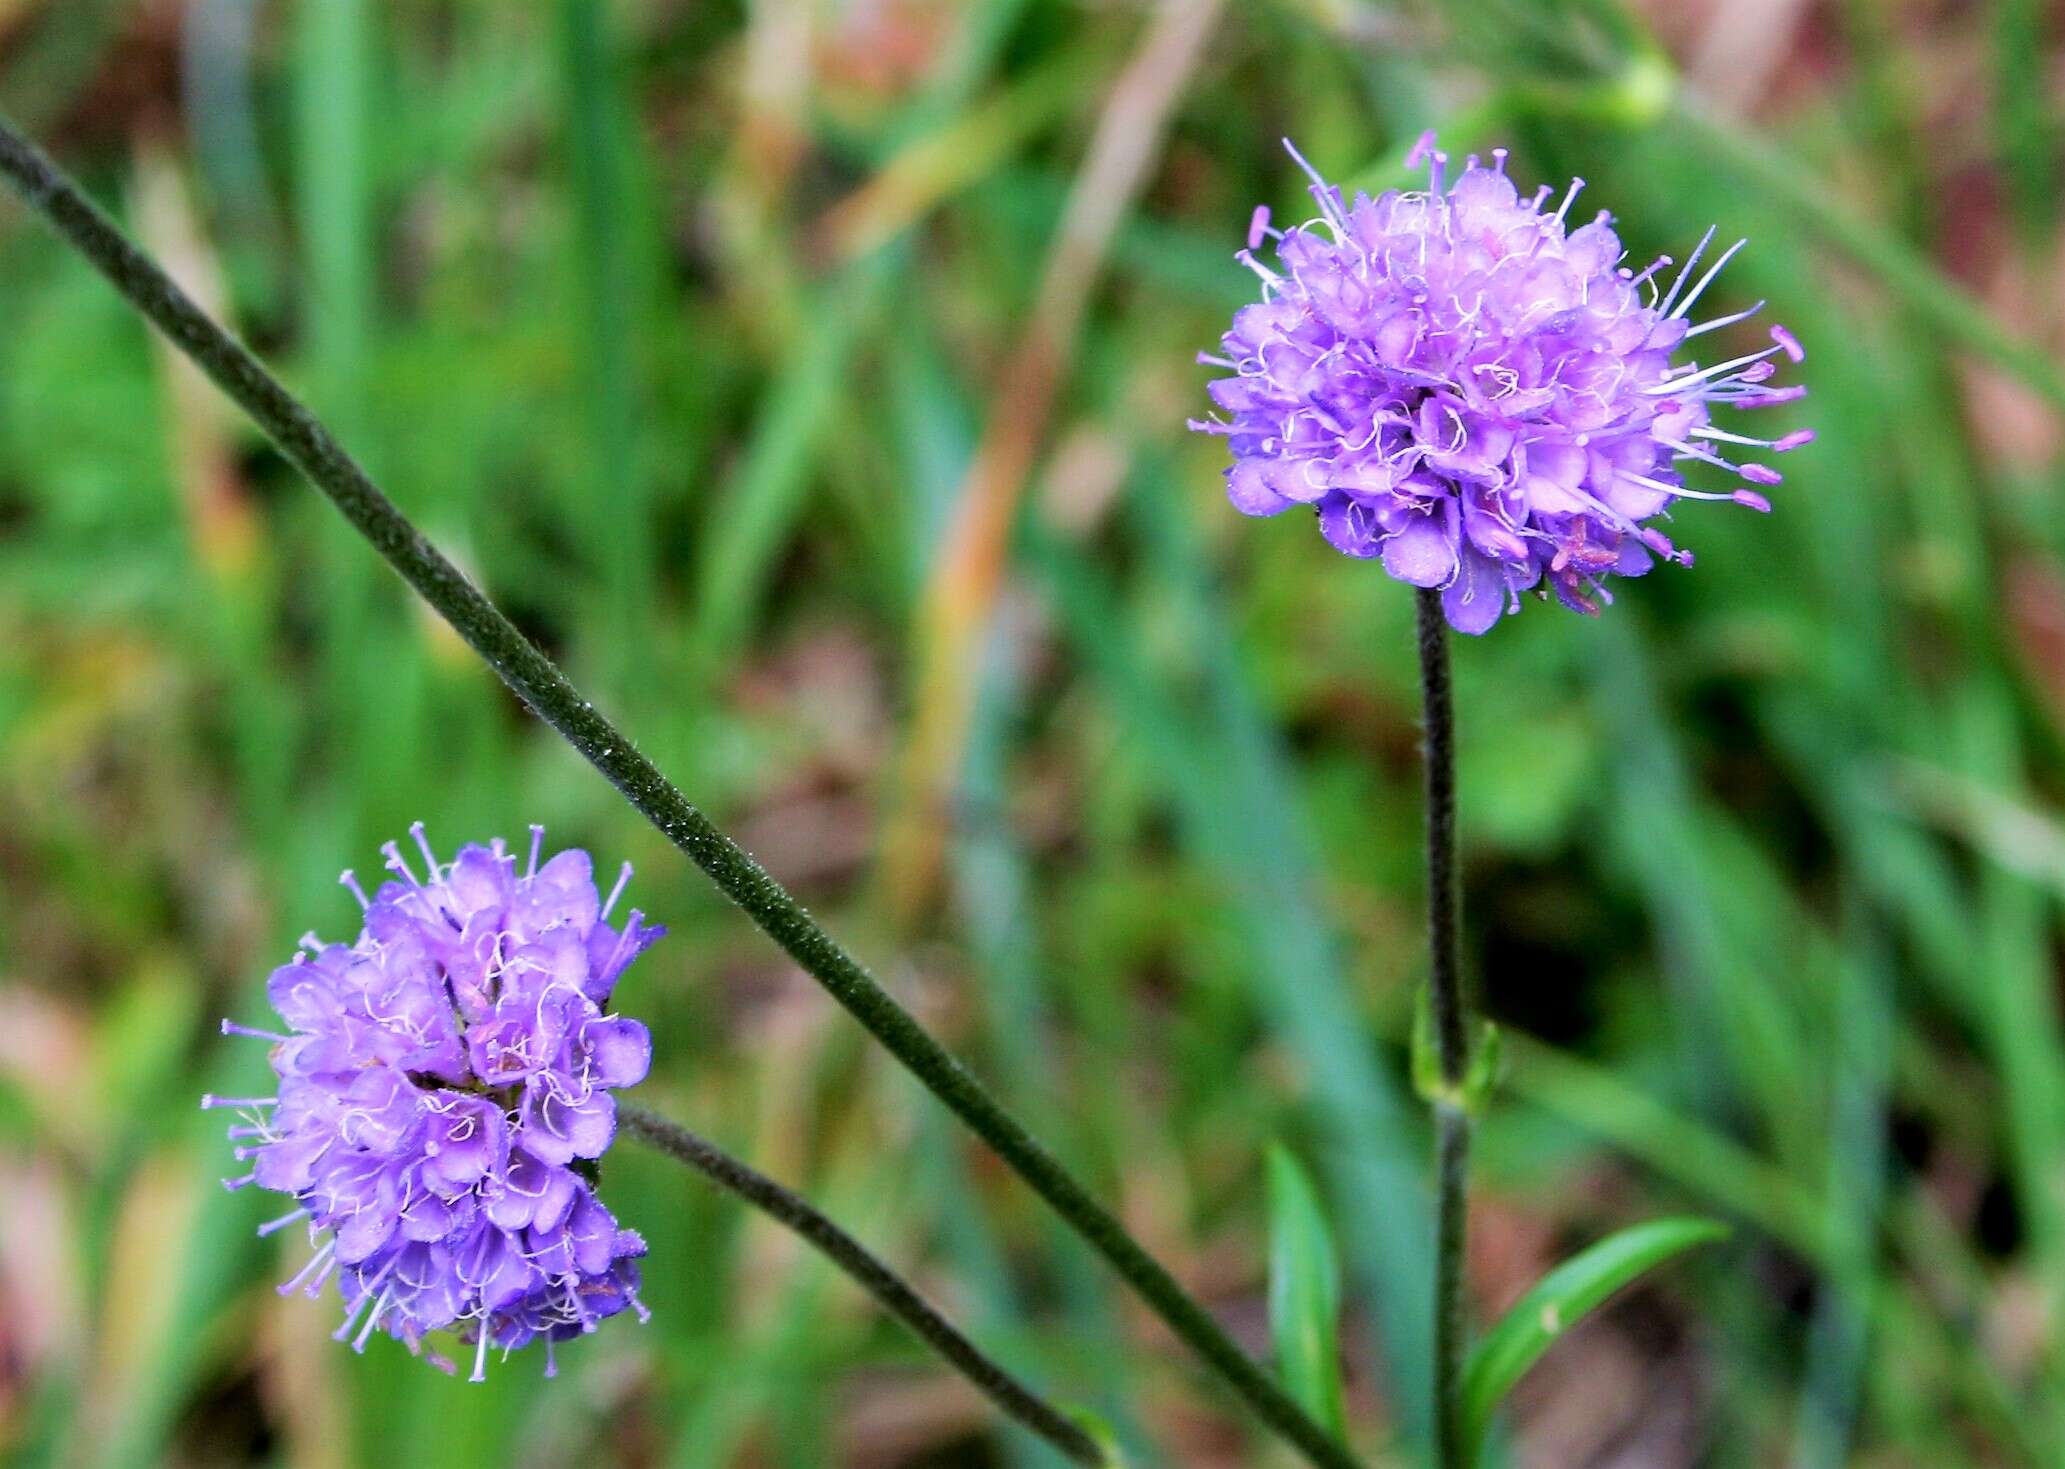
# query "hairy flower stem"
(541, 686)
(889, 1289)
(1451, 1223)
(1448, 1011)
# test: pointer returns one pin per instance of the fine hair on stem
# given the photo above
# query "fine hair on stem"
(1448, 1010)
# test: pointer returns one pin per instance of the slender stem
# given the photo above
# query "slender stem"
(1449, 1010)
(1444, 973)
(878, 1279)
(541, 686)
(1451, 1166)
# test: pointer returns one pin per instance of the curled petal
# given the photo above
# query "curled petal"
(1477, 597)
(619, 1050)
(1350, 526)
(1421, 553)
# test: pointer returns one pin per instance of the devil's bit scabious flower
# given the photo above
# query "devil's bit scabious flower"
(1482, 401)
(444, 1085)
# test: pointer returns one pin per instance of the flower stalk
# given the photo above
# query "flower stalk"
(1448, 1022)
(867, 1270)
(533, 677)
(1472, 389)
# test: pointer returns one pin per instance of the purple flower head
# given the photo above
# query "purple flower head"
(444, 1085)
(1474, 395)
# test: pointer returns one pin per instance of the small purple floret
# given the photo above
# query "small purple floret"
(442, 1094)
(1477, 397)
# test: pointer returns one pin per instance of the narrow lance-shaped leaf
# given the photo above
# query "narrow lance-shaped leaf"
(1304, 1293)
(1562, 1298)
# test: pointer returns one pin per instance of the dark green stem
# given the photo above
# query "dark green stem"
(889, 1289)
(541, 686)
(1446, 1002)
(1448, 1009)
(1451, 1226)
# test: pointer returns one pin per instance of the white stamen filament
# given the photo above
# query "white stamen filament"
(1706, 280)
(1720, 321)
(351, 1317)
(324, 1260)
(423, 845)
(1686, 269)
(1678, 384)
(1708, 431)
(623, 877)
(1576, 186)
(1679, 491)
(379, 1309)
(396, 865)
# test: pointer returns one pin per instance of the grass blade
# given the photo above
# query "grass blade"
(600, 157)
(2023, 127)
(1562, 1298)
(1304, 1293)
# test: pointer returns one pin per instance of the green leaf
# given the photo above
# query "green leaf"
(1472, 1092)
(1561, 1299)
(1304, 1293)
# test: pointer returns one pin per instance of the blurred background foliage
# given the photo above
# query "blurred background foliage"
(810, 375)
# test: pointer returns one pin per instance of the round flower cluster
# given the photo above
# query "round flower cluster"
(1482, 401)
(443, 1083)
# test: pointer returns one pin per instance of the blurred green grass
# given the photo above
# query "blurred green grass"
(1763, 864)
